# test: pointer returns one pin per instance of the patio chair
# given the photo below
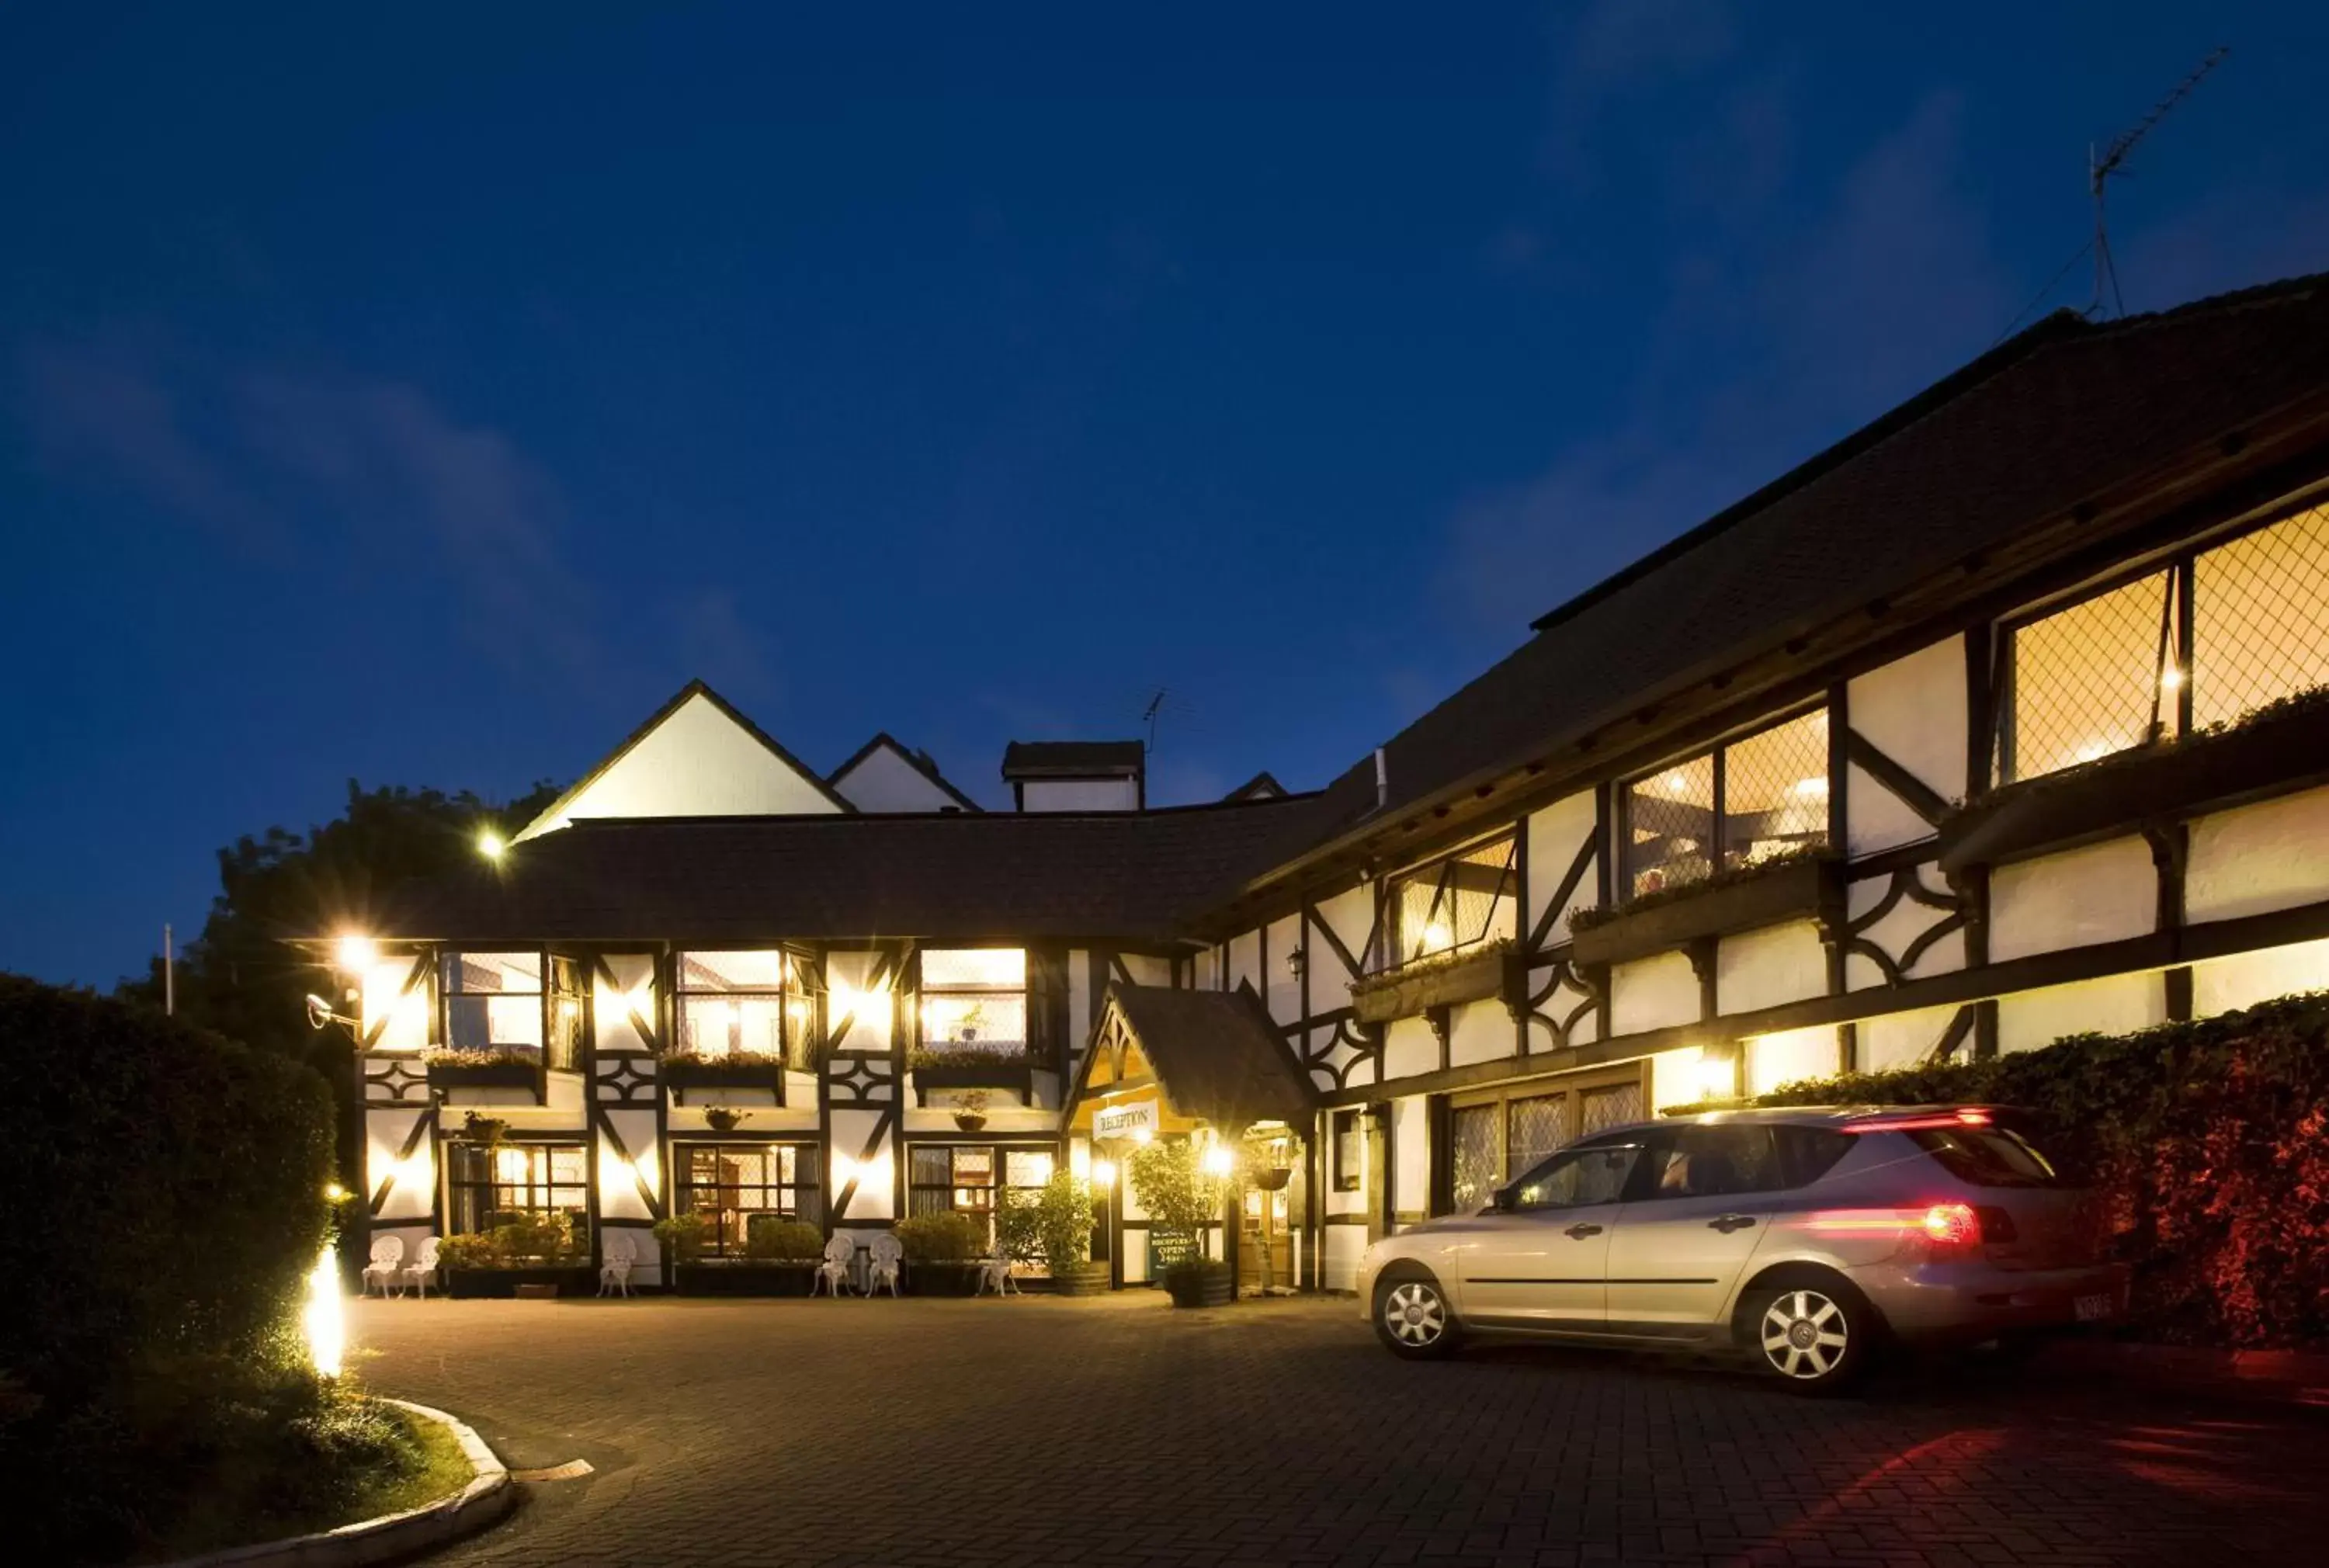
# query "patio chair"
(883, 1256)
(832, 1273)
(994, 1269)
(615, 1265)
(387, 1264)
(422, 1268)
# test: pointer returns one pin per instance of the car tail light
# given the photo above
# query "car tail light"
(1948, 1226)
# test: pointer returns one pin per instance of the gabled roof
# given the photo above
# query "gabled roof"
(1138, 878)
(1261, 786)
(1074, 758)
(1216, 1053)
(2067, 412)
(919, 761)
(693, 690)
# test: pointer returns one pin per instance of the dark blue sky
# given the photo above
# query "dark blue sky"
(421, 394)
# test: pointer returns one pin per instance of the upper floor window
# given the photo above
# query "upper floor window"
(499, 1002)
(2200, 641)
(975, 999)
(1746, 801)
(746, 1003)
(1460, 901)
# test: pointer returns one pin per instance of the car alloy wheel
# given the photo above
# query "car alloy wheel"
(1414, 1318)
(1806, 1335)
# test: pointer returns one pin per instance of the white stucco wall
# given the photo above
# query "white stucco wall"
(1902, 1039)
(1411, 1141)
(1760, 969)
(1340, 1256)
(1554, 837)
(2223, 985)
(882, 780)
(1408, 1048)
(854, 1002)
(1652, 993)
(1789, 1056)
(2274, 855)
(1675, 1078)
(697, 762)
(623, 1015)
(396, 1009)
(1350, 916)
(2116, 1004)
(2104, 892)
(1245, 961)
(1480, 1031)
(1079, 795)
(1900, 930)
(1913, 710)
(1283, 991)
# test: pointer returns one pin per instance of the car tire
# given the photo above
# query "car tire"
(1412, 1316)
(1813, 1331)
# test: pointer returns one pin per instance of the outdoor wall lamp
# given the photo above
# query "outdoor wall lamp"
(1294, 963)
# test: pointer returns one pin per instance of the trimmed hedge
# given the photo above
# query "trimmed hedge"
(2210, 1141)
(167, 1205)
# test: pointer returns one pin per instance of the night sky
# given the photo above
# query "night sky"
(422, 394)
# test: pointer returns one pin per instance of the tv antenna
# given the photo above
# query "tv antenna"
(1162, 705)
(2112, 160)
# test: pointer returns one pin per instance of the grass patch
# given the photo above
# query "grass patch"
(350, 1459)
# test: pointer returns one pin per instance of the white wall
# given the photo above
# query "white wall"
(1282, 990)
(2117, 1004)
(1408, 1048)
(1902, 1039)
(1555, 834)
(1913, 710)
(882, 780)
(1899, 931)
(2261, 858)
(1411, 1147)
(2104, 892)
(2223, 985)
(1652, 993)
(697, 762)
(1078, 794)
(623, 1015)
(1350, 916)
(1760, 969)
(1480, 1031)
(1790, 1056)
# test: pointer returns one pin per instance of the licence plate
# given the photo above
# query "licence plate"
(2090, 1309)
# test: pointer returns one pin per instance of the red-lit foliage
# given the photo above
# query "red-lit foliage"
(2208, 1143)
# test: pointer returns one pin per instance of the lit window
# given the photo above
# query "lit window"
(496, 1001)
(500, 1184)
(1454, 904)
(739, 1187)
(974, 1000)
(970, 1178)
(1761, 795)
(743, 1004)
(2122, 667)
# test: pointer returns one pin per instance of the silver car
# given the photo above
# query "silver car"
(1802, 1236)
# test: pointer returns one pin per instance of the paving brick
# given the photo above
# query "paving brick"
(1121, 1434)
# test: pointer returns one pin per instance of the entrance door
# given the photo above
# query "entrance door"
(1538, 1258)
(1700, 1212)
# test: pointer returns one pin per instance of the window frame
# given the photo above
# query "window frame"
(1392, 944)
(1022, 1050)
(806, 1192)
(791, 984)
(559, 1049)
(456, 1185)
(1718, 810)
(1627, 1189)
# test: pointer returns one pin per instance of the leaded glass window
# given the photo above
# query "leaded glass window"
(1745, 801)
(1457, 902)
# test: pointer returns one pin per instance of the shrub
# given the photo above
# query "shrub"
(2209, 1141)
(1054, 1224)
(770, 1239)
(941, 1238)
(169, 1190)
(1180, 1197)
(685, 1235)
(521, 1240)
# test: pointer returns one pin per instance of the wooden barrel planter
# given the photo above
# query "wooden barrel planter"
(1086, 1279)
(1209, 1284)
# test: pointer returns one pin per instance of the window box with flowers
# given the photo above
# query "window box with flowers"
(1805, 884)
(685, 1070)
(1448, 927)
(452, 1071)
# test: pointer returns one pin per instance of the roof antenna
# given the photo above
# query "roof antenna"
(1149, 717)
(2112, 160)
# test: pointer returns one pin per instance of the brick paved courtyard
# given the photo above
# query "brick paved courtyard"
(1119, 1431)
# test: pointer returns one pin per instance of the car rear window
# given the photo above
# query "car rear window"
(1986, 1155)
(1807, 1153)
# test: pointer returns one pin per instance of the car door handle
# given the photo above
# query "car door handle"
(1731, 1222)
(1581, 1230)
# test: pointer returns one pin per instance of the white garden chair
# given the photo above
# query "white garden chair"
(422, 1268)
(883, 1256)
(387, 1264)
(832, 1273)
(994, 1269)
(615, 1265)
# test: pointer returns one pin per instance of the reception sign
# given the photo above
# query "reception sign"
(1130, 1120)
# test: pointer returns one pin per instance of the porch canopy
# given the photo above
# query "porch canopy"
(1205, 1057)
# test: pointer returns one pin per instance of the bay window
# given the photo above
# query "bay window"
(744, 1005)
(2200, 639)
(974, 1002)
(1459, 901)
(1734, 805)
(515, 1004)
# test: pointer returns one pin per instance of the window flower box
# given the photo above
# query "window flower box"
(1799, 887)
(682, 1072)
(450, 1071)
(969, 1069)
(2276, 750)
(1445, 981)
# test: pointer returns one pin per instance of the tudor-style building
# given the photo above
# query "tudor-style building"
(2000, 721)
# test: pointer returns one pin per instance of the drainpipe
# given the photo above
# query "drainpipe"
(1382, 780)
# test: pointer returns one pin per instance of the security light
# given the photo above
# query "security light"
(356, 954)
(490, 845)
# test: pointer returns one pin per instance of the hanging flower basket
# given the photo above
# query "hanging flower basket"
(1273, 1177)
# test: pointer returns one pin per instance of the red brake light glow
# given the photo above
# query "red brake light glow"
(1971, 1116)
(1951, 1225)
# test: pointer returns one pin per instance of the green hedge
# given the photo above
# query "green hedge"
(2210, 1141)
(165, 1206)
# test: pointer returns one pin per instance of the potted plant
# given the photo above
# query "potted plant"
(726, 1117)
(970, 1109)
(683, 1236)
(1265, 1164)
(941, 1253)
(486, 1130)
(1064, 1214)
(1182, 1200)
